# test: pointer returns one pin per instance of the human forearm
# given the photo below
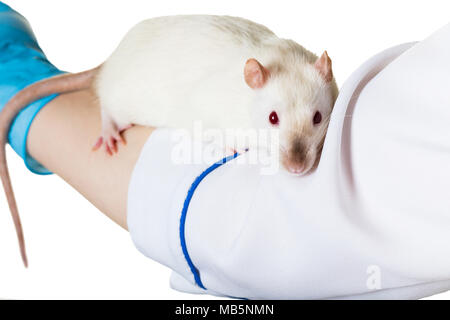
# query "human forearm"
(61, 138)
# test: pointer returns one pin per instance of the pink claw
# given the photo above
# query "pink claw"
(97, 144)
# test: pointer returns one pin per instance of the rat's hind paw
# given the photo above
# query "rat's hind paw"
(110, 137)
(110, 144)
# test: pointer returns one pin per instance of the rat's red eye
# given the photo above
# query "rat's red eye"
(273, 118)
(317, 117)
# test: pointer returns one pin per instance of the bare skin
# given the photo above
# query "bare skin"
(61, 138)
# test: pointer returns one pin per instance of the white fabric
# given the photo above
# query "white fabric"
(373, 220)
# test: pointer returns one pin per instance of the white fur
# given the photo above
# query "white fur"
(172, 71)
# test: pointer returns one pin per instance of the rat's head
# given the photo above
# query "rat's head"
(296, 98)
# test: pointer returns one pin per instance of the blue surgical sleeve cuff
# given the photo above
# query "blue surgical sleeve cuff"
(22, 63)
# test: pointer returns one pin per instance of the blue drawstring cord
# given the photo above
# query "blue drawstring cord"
(187, 201)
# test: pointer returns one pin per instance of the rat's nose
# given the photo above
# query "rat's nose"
(296, 168)
(295, 159)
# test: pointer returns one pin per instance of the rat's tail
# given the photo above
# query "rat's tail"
(58, 84)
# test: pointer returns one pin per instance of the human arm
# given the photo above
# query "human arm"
(74, 119)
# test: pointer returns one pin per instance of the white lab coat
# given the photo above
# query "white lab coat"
(373, 221)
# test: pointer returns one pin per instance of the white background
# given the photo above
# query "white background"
(76, 252)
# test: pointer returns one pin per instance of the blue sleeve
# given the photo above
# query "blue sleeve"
(22, 63)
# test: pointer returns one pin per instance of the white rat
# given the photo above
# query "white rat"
(225, 71)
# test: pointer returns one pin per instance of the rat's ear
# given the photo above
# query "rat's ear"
(255, 74)
(323, 65)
